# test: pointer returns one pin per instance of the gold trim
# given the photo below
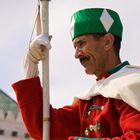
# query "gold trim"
(46, 119)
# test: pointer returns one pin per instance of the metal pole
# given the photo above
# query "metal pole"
(44, 10)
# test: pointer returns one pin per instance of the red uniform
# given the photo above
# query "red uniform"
(99, 117)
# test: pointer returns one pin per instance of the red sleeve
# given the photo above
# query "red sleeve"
(129, 122)
(29, 98)
(64, 121)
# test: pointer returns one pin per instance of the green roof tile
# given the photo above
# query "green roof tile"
(8, 104)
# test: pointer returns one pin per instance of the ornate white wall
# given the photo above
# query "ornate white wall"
(12, 128)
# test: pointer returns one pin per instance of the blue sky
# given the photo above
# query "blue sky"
(67, 77)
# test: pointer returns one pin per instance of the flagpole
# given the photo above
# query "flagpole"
(44, 16)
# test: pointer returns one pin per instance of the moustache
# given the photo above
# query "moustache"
(84, 58)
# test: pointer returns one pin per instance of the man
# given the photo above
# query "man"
(110, 110)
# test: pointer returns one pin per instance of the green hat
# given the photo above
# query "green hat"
(95, 20)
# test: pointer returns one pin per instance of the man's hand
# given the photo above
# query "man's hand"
(37, 51)
(38, 48)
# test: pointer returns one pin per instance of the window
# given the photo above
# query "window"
(1, 132)
(14, 133)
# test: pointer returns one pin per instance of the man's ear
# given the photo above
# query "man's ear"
(109, 40)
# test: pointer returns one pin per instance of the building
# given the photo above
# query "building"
(11, 125)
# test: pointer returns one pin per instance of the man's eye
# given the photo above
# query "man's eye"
(81, 43)
(75, 47)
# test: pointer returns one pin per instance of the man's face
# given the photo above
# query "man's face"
(91, 53)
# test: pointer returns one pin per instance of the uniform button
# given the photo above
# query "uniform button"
(92, 127)
(102, 107)
(89, 113)
(86, 132)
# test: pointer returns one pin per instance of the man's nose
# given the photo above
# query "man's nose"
(78, 52)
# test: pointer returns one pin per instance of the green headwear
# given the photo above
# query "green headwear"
(95, 20)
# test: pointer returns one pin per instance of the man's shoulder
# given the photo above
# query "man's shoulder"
(127, 72)
(128, 75)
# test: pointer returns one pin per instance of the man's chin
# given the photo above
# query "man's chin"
(89, 72)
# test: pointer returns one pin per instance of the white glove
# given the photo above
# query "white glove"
(37, 51)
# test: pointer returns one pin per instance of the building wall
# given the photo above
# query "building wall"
(12, 128)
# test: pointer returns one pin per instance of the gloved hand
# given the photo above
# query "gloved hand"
(37, 51)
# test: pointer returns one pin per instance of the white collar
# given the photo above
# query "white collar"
(123, 85)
